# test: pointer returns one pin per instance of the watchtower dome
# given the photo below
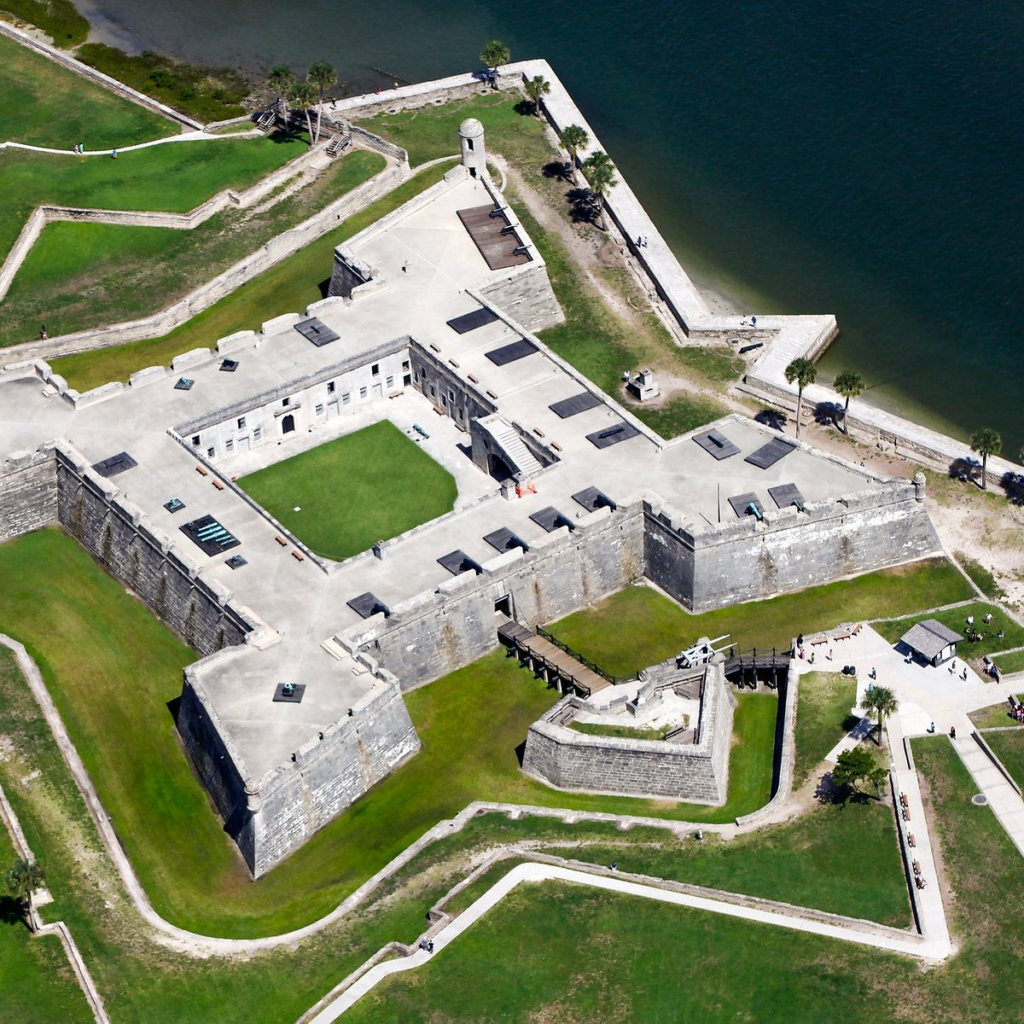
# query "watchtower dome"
(474, 156)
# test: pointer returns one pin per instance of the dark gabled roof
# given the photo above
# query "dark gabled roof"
(930, 637)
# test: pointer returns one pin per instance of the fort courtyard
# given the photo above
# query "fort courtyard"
(397, 570)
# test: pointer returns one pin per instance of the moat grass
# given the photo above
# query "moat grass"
(824, 713)
(173, 178)
(1009, 748)
(658, 628)
(44, 104)
(569, 953)
(37, 984)
(115, 671)
(288, 287)
(81, 276)
(955, 619)
(366, 486)
(140, 981)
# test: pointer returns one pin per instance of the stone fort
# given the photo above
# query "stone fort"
(564, 497)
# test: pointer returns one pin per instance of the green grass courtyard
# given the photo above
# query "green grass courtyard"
(351, 492)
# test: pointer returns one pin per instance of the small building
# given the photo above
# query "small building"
(932, 640)
(642, 386)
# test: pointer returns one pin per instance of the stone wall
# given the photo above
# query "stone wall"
(28, 492)
(789, 550)
(113, 530)
(269, 818)
(697, 772)
(439, 632)
(446, 389)
(276, 250)
(525, 294)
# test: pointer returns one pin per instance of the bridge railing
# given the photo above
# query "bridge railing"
(582, 659)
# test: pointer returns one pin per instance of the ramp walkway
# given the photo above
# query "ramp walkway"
(557, 664)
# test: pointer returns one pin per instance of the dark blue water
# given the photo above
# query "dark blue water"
(858, 158)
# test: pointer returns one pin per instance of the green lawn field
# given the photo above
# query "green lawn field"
(81, 276)
(824, 713)
(666, 629)
(44, 104)
(956, 618)
(37, 984)
(368, 486)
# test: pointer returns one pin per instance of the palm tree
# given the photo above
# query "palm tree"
(801, 371)
(280, 78)
(600, 174)
(848, 384)
(986, 442)
(535, 89)
(882, 702)
(323, 76)
(22, 881)
(575, 138)
(494, 54)
(303, 97)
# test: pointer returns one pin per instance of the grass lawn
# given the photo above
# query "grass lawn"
(995, 716)
(175, 178)
(44, 104)
(37, 984)
(288, 287)
(1011, 662)
(113, 668)
(955, 619)
(81, 276)
(983, 578)
(368, 486)
(525, 962)
(823, 715)
(624, 731)
(658, 628)
(1009, 748)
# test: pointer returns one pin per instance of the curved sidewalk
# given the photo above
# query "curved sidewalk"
(183, 137)
(925, 949)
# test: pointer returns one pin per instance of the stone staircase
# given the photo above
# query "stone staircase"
(518, 456)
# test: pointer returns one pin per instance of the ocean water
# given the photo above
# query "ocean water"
(861, 159)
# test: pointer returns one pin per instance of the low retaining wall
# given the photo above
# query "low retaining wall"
(276, 250)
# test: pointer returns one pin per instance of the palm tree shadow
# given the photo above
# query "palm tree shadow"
(583, 205)
(558, 169)
(12, 912)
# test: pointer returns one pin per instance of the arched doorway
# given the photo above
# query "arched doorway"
(288, 424)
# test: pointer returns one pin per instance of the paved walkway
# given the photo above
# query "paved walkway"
(935, 948)
(183, 137)
(1004, 800)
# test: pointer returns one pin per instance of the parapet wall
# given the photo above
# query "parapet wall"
(788, 550)
(112, 529)
(698, 772)
(437, 633)
(28, 492)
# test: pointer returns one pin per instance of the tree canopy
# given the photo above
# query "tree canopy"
(857, 765)
(495, 53)
(986, 441)
(849, 384)
(803, 372)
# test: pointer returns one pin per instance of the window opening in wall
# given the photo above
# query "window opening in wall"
(375, 369)
(391, 381)
(331, 385)
(469, 145)
(257, 433)
(346, 398)
(210, 452)
(286, 401)
(195, 441)
(319, 410)
(229, 445)
(241, 423)
(503, 606)
(451, 396)
(407, 380)
(362, 392)
(405, 364)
